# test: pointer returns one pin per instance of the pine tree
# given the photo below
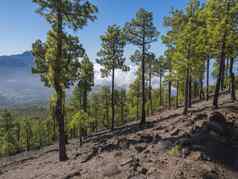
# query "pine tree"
(221, 31)
(111, 57)
(55, 60)
(141, 32)
(86, 80)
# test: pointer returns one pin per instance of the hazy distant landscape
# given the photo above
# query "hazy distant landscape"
(18, 84)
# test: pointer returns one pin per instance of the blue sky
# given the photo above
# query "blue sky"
(21, 26)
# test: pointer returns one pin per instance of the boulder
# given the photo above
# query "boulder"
(217, 123)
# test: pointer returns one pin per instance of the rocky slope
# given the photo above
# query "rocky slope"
(201, 145)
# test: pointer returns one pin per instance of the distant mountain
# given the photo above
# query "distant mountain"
(22, 60)
(17, 84)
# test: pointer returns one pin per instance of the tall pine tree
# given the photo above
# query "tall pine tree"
(141, 32)
(111, 57)
(56, 60)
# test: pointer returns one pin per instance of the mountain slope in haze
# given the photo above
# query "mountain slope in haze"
(18, 84)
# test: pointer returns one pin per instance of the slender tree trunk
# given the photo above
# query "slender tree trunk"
(177, 94)
(59, 103)
(208, 73)
(227, 74)
(169, 85)
(137, 107)
(85, 100)
(223, 77)
(27, 141)
(107, 109)
(143, 120)
(122, 108)
(190, 90)
(150, 91)
(169, 95)
(160, 92)
(201, 93)
(113, 106)
(80, 136)
(219, 78)
(54, 128)
(186, 92)
(232, 80)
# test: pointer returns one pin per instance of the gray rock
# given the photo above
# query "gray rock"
(111, 170)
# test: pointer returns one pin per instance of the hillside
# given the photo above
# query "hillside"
(201, 145)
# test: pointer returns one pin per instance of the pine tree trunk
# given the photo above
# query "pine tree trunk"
(223, 77)
(221, 71)
(27, 140)
(137, 106)
(177, 94)
(150, 92)
(60, 119)
(59, 114)
(122, 109)
(143, 120)
(186, 92)
(232, 80)
(208, 73)
(160, 92)
(54, 128)
(107, 108)
(201, 93)
(113, 106)
(169, 95)
(227, 73)
(190, 90)
(169, 85)
(85, 100)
